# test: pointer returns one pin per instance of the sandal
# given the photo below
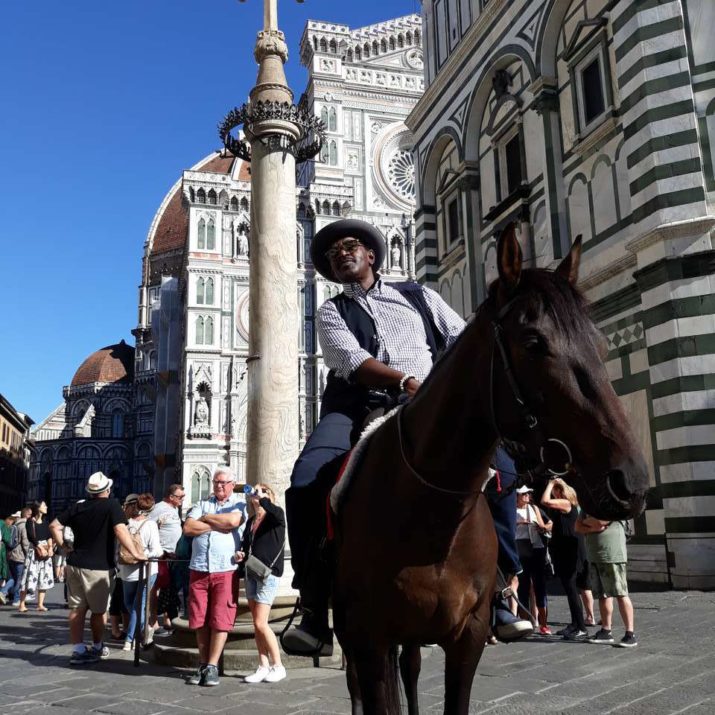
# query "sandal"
(22, 610)
(42, 608)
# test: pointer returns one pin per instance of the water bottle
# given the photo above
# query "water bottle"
(248, 490)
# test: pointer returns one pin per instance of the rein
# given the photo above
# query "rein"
(417, 475)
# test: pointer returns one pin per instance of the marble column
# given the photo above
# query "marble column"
(273, 410)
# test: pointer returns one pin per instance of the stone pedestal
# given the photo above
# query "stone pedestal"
(179, 650)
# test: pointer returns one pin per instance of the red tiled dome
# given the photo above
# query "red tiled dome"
(172, 227)
(112, 364)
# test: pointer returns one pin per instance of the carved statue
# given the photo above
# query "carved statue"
(201, 416)
(242, 244)
(396, 255)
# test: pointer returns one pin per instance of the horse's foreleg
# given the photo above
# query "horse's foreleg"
(351, 674)
(462, 658)
(410, 666)
(378, 679)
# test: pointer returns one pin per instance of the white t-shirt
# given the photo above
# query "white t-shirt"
(149, 533)
(169, 523)
(527, 531)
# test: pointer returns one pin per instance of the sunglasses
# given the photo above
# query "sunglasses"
(349, 245)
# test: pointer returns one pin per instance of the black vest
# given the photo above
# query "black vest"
(351, 398)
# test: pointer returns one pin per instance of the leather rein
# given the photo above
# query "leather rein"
(515, 449)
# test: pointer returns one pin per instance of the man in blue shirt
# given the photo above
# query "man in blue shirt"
(216, 524)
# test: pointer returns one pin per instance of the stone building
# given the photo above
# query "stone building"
(591, 117)
(192, 332)
(15, 454)
(94, 429)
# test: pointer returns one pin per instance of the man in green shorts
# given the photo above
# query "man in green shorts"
(607, 557)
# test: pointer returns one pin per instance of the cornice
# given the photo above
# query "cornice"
(668, 231)
(607, 272)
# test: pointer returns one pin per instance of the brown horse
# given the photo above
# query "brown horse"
(415, 543)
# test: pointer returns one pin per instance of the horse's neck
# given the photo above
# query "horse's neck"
(448, 427)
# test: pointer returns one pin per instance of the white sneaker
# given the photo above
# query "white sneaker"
(276, 673)
(127, 645)
(259, 676)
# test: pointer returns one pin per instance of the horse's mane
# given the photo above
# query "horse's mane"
(540, 291)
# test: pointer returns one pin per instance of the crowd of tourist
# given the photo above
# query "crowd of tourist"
(98, 547)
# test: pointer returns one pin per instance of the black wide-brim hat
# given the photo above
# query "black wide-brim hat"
(365, 232)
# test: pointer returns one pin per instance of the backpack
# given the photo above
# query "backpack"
(125, 558)
(14, 539)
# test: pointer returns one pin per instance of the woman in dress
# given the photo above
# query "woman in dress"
(38, 576)
(530, 526)
(147, 529)
(264, 538)
(567, 550)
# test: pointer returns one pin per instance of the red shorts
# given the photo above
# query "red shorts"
(213, 600)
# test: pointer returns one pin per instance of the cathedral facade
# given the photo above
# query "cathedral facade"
(185, 392)
(592, 118)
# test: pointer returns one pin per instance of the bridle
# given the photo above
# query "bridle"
(515, 449)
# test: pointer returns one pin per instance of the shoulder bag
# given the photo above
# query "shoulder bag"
(255, 568)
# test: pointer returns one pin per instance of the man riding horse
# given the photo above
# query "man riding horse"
(379, 341)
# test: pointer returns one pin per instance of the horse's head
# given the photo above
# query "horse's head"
(556, 354)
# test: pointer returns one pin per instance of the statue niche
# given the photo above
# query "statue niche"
(201, 418)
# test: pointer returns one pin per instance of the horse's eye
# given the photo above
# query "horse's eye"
(534, 343)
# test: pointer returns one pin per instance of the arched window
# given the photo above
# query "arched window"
(152, 360)
(392, 43)
(375, 47)
(234, 203)
(408, 38)
(212, 197)
(326, 207)
(209, 331)
(366, 50)
(192, 195)
(317, 203)
(201, 241)
(211, 236)
(244, 204)
(117, 425)
(358, 54)
(201, 196)
(383, 45)
(350, 55)
(400, 41)
(325, 153)
(417, 38)
(323, 45)
(315, 42)
(334, 47)
(333, 120)
(333, 153)
(200, 484)
(209, 291)
(324, 116)
(200, 291)
(199, 330)
(336, 208)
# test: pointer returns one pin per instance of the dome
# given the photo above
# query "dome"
(171, 224)
(112, 364)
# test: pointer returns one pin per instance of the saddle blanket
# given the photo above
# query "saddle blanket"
(353, 459)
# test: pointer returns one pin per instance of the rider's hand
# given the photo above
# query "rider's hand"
(411, 386)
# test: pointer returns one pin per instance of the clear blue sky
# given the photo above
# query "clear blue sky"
(102, 105)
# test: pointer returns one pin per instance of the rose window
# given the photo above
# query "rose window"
(401, 174)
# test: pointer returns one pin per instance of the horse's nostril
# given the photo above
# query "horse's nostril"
(616, 483)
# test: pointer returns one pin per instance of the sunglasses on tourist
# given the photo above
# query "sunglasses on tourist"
(349, 245)
(221, 484)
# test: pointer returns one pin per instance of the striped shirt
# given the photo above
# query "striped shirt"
(399, 327)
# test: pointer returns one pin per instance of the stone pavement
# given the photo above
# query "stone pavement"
(669, 672)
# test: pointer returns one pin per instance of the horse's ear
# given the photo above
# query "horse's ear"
(568, 268)
(509, 258)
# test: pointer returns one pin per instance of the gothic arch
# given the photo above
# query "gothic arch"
(548, 36)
